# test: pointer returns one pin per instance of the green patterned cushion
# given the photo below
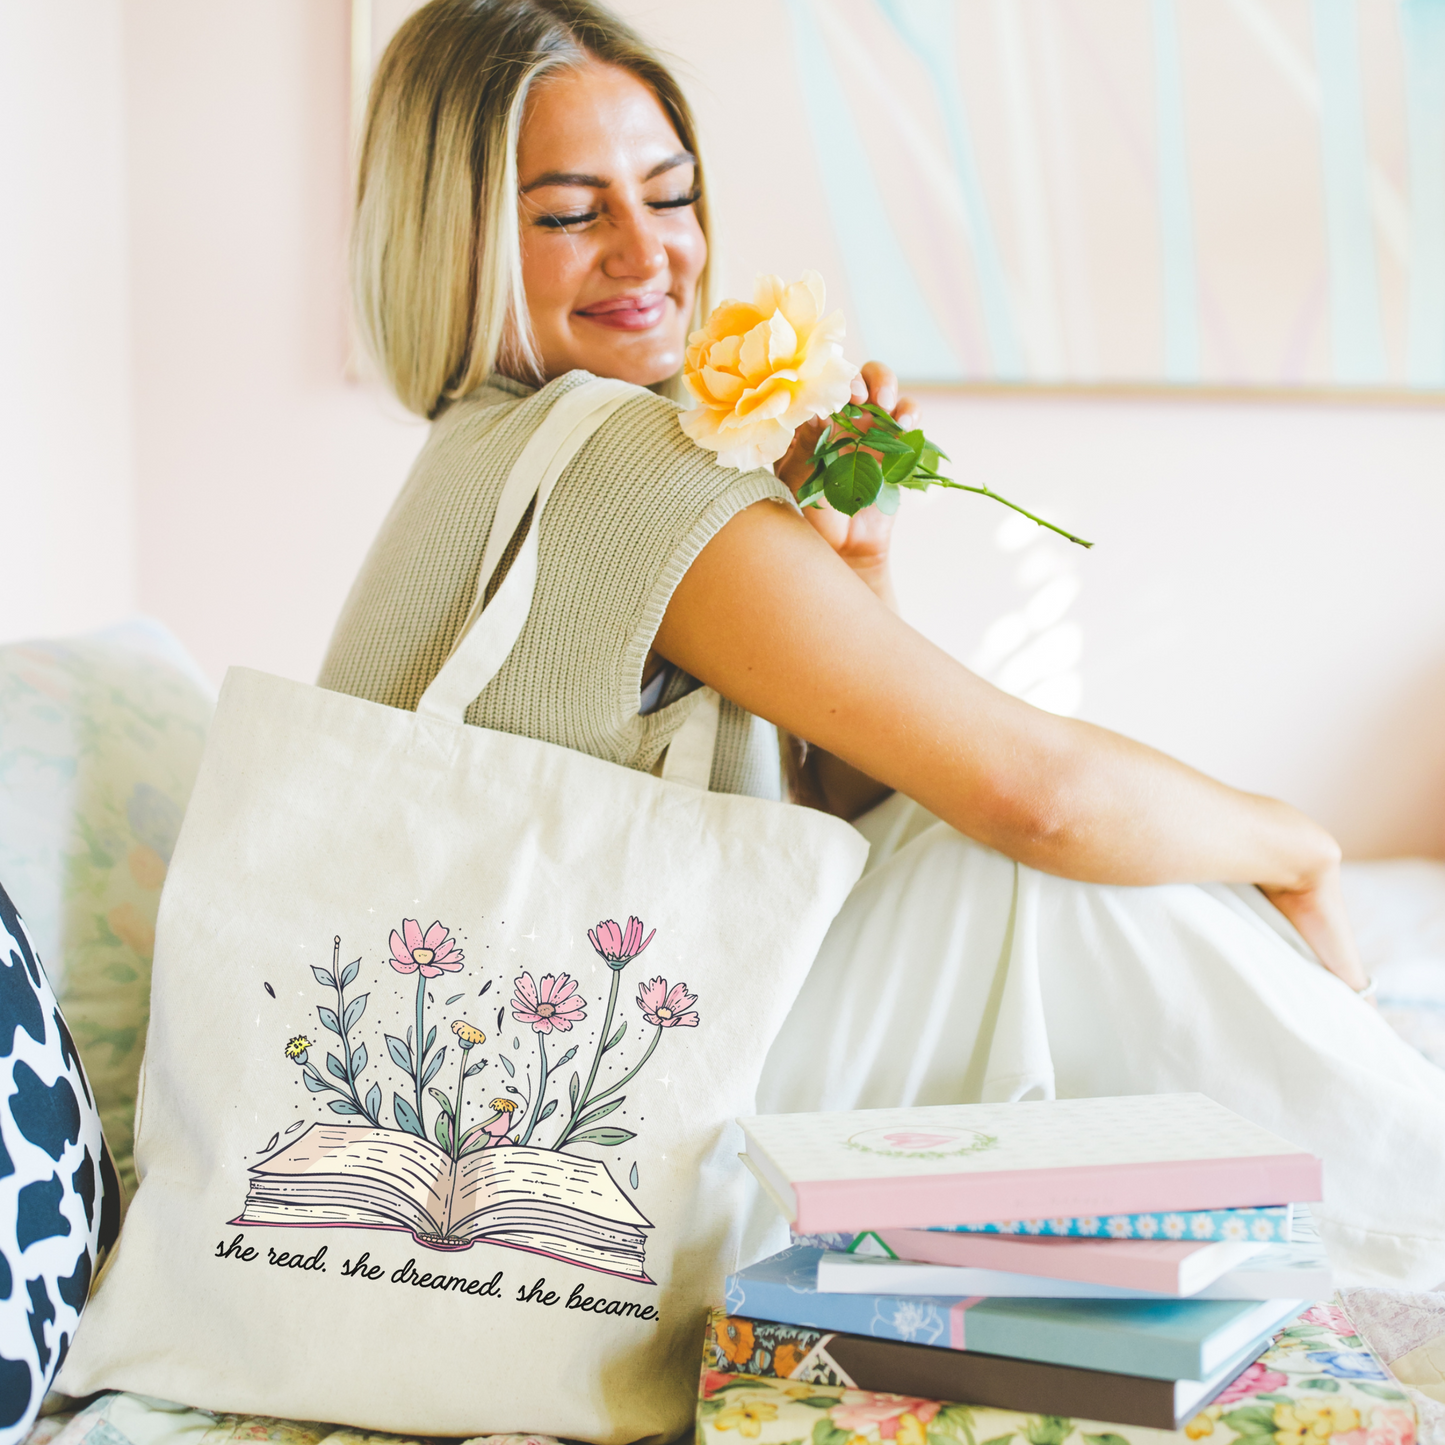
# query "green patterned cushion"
(100, 739)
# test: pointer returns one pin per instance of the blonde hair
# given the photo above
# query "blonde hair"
(436, 270)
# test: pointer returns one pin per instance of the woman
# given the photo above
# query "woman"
(531, 208)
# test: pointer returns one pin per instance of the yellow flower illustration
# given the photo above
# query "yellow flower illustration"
(507, 1106)
(747, 1416)
(1296, 1423)
(467, 1034)
(296, 1048)
(1200, 1426)
(910, 1430)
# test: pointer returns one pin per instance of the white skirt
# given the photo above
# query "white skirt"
(953, 975)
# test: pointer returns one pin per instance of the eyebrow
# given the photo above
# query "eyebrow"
(582, 178)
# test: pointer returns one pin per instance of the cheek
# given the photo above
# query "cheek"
(551, 273)
(687, 250)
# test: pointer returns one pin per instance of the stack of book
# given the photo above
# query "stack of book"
(1124, 1260)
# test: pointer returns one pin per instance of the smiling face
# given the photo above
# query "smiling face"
(611, 245)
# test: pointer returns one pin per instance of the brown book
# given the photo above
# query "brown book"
(765, 1347)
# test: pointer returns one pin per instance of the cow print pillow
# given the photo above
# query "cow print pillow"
(59, 1197)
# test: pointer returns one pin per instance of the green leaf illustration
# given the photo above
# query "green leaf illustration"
(348, 974)
(453, 999)
(336, 1069)
(476, 1068)
(313, 1082)
(1380, 1392)
(608, 1138)
(600, 1113)
(442, 1099)
(1107, 1438)
(431, 1068)
(548, 1111)
(572, 1088)
(358, 1060)
(342, 1106)
(1048, 1430)
(373, 1101)
(1321, 1384)
(400, 1053)
(323, 977)
(1004, 1439)
(507, 1065)
(354, 1011)
(328, 1019)
(406, 1116)
(826, 1433)
(1250, 1420)
(443, 1130)
(616, 1037)
(566, 1058)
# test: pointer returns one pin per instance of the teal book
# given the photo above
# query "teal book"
(1161, 1340)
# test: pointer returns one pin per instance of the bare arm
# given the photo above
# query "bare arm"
(770, 616)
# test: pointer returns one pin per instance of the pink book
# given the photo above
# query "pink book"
(1165, 1266)
(970, 1163)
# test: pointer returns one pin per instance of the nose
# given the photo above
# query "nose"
(637, 252)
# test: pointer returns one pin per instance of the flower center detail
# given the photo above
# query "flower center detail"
(546, 1010)
(422, 955)
(664, 1013)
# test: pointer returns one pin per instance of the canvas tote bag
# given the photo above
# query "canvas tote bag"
(449, 1031)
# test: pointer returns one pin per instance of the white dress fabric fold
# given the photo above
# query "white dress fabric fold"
(953, 974)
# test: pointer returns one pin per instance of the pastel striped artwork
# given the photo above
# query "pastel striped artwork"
(1236, 193)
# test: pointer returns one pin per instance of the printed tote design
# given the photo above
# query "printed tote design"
(449, 1032)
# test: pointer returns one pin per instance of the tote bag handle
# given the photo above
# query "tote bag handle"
(490, 631)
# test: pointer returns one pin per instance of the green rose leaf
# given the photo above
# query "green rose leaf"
(1380, 1392)
(1250, 1420)
(1049, 1430)
(1322, 1384)
(852, 482)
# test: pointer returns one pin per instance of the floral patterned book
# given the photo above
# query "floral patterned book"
(1317, 1384)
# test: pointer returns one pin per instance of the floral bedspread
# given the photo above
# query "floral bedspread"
(1318, 1383)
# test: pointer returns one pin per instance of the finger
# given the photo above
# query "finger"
(906, 413)
(860, 390)
(882, 385)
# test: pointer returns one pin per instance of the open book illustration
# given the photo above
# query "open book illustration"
(559, 1205)
(516, 1171)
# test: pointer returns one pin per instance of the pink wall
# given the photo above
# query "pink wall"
(1266, 599)
(264, 472)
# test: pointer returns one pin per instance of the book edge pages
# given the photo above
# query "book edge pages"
(777, 1192)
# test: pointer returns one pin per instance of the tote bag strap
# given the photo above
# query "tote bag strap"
(491, 630)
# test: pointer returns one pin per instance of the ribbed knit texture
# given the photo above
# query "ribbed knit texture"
(630, 513)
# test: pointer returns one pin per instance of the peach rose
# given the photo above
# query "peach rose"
(760, 371)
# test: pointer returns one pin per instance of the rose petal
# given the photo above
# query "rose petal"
(411, 930)
(782, 341)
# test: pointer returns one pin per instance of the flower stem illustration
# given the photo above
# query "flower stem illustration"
(617, 947)
(449, 1122)
(428, 955)
(552, 1003)
(340, 1021)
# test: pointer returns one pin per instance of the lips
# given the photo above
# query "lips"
(639, 312)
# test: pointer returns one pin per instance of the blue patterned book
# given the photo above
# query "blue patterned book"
(1165, 1340)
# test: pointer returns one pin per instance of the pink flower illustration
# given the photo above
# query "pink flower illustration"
(1258, 1379)
(666, 1008)
(1331, 1316)
(552, 1004)
(616, 946)
(862, 1411)
(433, 952)
(1388, 1426)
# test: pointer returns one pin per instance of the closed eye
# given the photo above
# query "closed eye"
(585, 218)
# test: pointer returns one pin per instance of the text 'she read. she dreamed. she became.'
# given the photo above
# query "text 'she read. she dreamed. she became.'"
(363, 1268)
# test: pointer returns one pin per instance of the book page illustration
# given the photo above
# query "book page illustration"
(513, 1172)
